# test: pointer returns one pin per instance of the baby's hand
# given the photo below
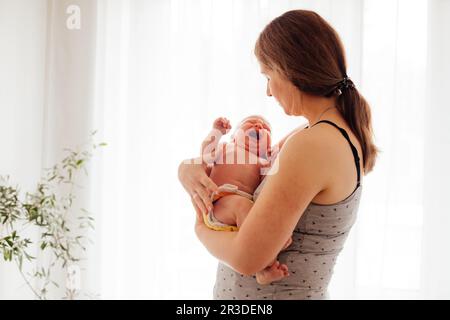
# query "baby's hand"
(222, 124)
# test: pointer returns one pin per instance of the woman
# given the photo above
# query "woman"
(316, 191)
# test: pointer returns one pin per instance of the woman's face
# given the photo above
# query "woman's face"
(278, 86)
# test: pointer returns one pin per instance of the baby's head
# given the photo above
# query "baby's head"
(254, 134)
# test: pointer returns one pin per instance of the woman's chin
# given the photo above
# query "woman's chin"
(291, 113)
(287, 112)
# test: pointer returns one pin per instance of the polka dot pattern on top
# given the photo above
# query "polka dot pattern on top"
(318, 238)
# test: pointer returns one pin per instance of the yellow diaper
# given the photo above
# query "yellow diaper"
(223, 190)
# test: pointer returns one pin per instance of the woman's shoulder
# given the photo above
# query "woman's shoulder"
(322, 138)
(314, 151)
(304, 153)
(316, 139)
(324, 154)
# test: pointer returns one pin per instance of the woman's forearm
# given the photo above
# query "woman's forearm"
(222, 245)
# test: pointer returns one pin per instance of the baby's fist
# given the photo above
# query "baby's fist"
(222, 124)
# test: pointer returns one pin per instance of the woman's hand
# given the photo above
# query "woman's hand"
(198, 185)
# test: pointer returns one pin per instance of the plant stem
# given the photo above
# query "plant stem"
(27, 282)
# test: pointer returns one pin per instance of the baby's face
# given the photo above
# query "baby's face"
(255, 132)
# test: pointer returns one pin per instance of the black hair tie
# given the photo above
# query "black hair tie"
(342, 85)
(346, 83)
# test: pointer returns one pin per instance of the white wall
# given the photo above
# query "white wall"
(436, 262)
(22, 65)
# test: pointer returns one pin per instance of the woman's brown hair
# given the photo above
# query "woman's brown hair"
(307, 50)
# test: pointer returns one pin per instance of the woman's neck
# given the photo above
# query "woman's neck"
(315, 108)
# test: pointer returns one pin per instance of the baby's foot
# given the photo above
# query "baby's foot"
(272, 273)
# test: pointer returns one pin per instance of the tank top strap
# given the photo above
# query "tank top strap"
(354, 150)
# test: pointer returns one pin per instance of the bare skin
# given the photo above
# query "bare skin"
(315, 165)
(233, 209)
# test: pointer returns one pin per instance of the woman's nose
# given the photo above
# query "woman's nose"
(269, 94)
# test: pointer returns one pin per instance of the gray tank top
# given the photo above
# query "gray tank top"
(318, 238)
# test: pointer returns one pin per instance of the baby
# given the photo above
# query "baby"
(236, 168)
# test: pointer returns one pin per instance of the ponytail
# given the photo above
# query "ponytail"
(309, 52)
(356, 112)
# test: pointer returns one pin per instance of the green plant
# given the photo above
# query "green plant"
(48, 213)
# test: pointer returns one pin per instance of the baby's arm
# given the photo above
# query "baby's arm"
(209, 145)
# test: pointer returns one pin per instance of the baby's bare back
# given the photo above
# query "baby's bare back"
(232, 209)
(245, 175)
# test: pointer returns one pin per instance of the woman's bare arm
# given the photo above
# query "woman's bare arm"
(274, 215)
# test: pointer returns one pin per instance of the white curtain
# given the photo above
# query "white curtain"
(46, 101)
(151, 76)
(22, 87)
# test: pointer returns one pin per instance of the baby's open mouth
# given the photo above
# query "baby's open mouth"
(254, 134)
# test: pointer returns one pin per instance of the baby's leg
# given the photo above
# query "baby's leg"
(232, 209)
(275, 271)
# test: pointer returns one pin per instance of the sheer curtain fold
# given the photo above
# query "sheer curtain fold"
(182, 71)
(22, 65)
(151, 76)
(46, 101)
(435, 260)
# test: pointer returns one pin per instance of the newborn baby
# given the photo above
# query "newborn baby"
(236, 168)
